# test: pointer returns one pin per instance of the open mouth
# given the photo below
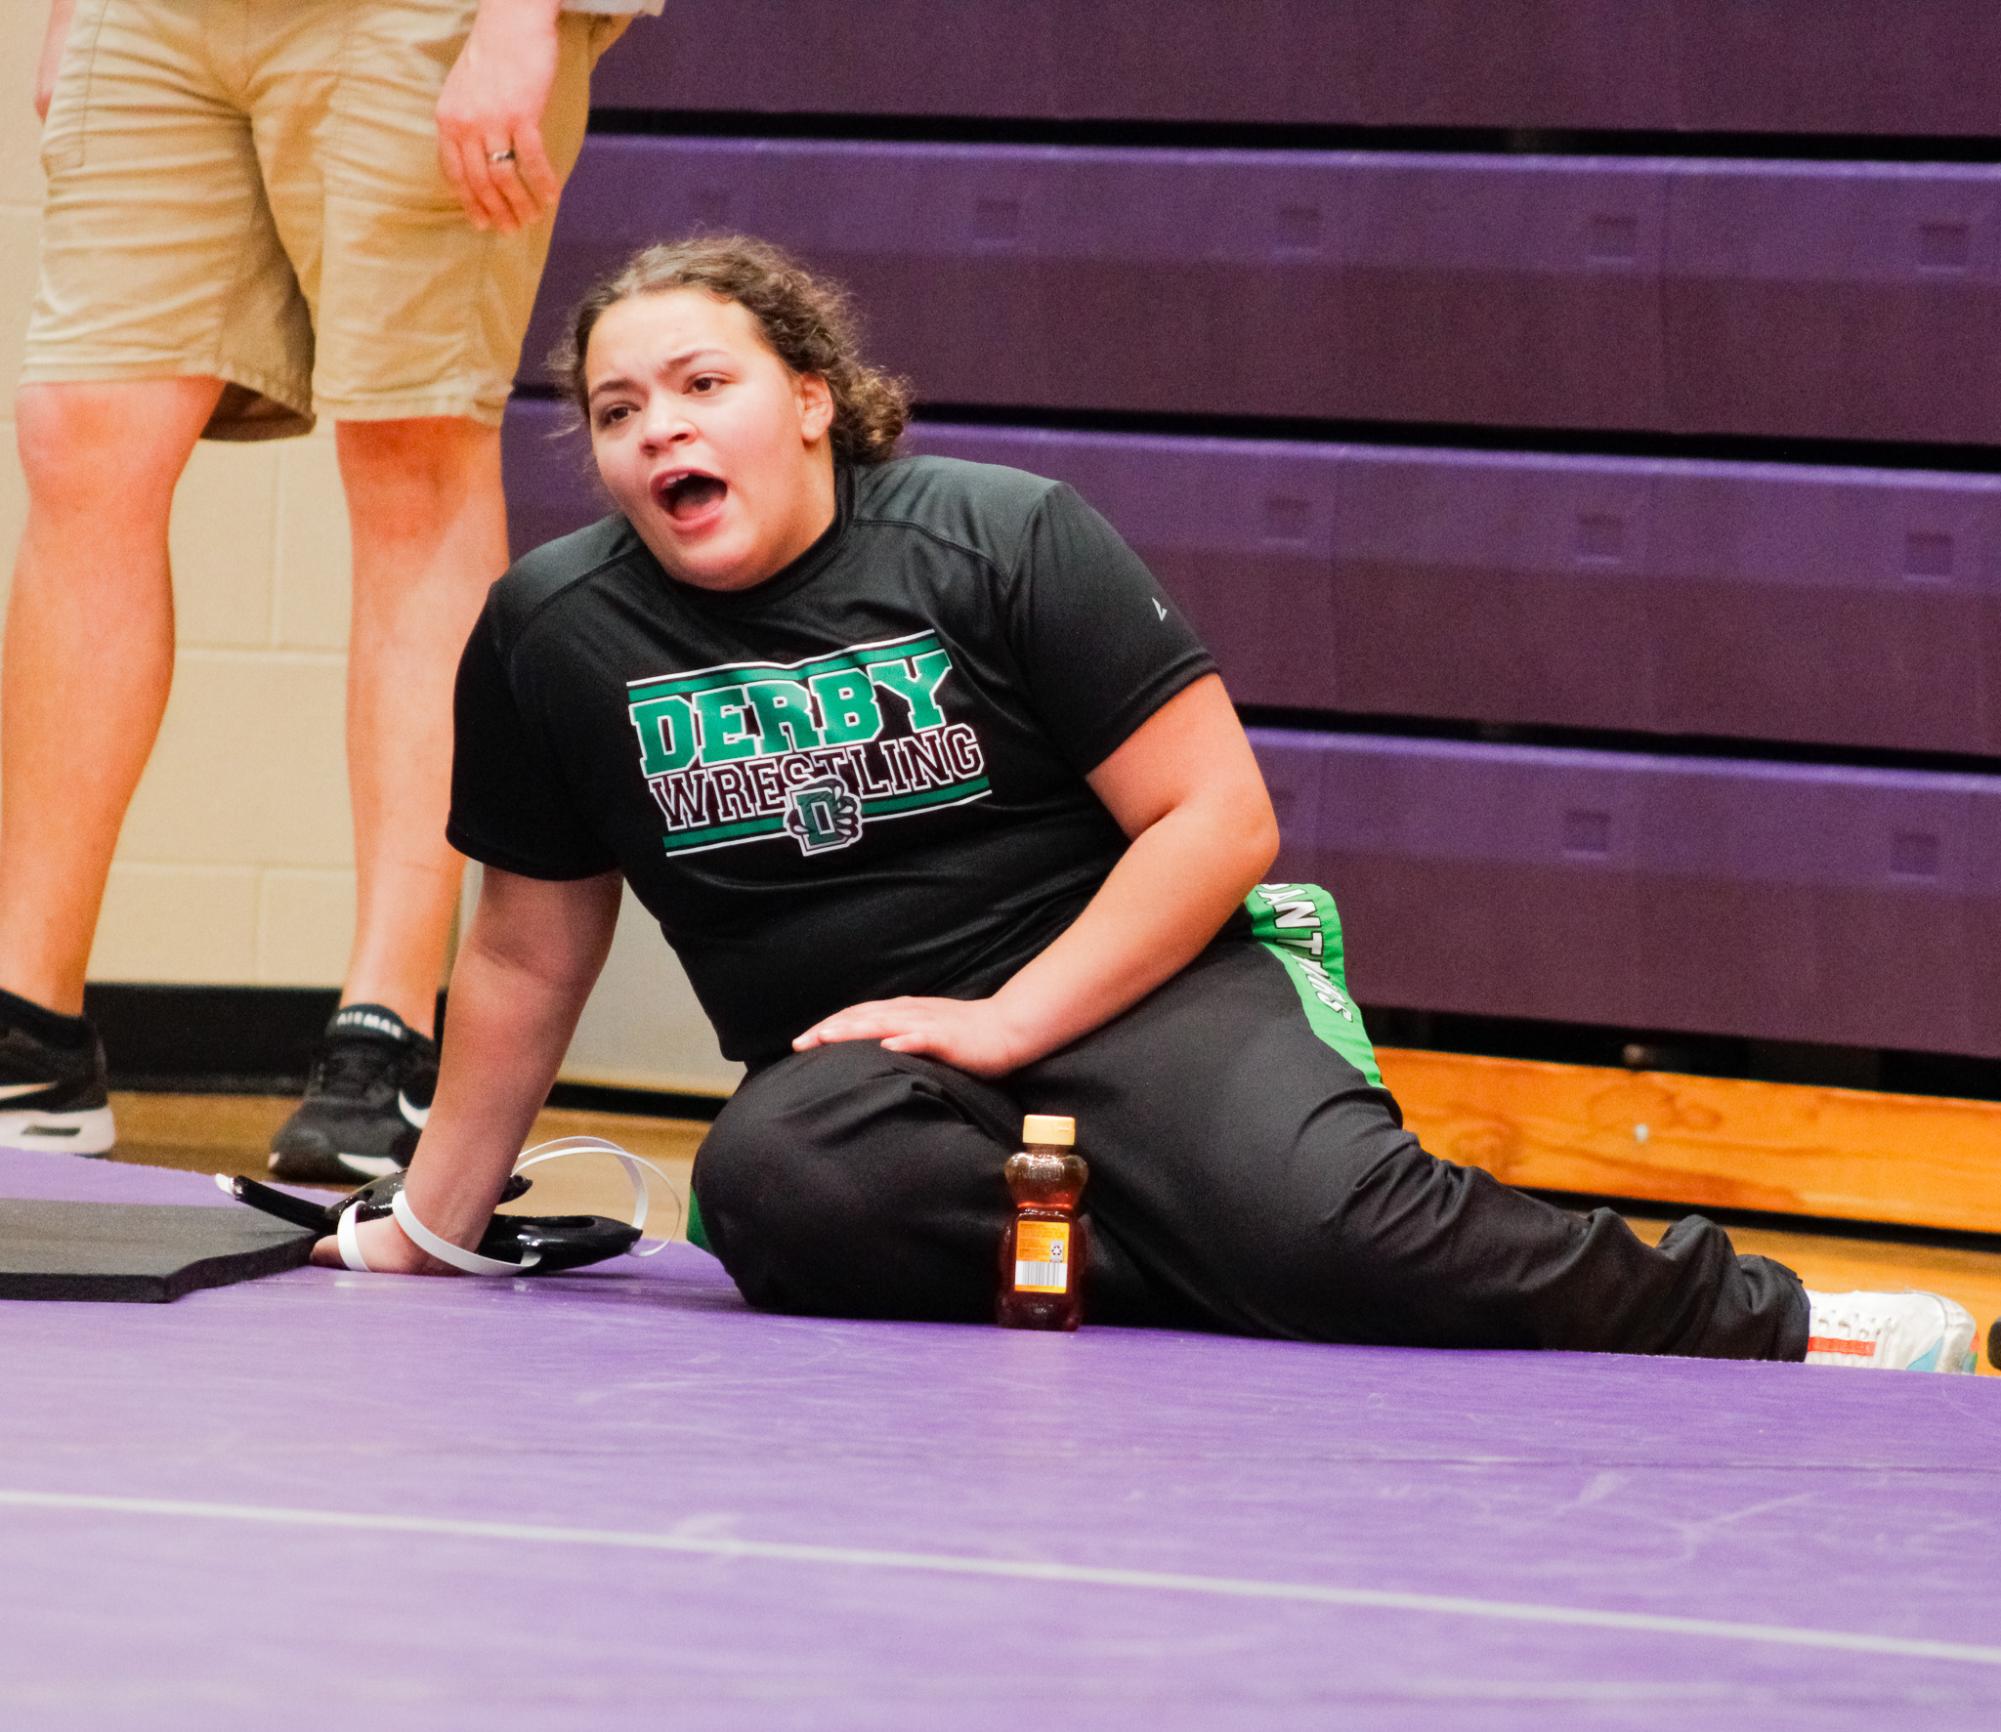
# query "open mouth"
(688, 496)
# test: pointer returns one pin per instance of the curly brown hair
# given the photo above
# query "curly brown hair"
(809, 322)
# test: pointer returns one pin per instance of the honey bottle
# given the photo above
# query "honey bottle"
(1045, 1248)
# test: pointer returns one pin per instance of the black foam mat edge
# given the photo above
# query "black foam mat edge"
(121, 1253)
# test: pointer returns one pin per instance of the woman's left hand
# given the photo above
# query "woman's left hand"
(973, 1034)
(384, 1247)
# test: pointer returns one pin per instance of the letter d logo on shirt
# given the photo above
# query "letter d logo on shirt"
(822, 815)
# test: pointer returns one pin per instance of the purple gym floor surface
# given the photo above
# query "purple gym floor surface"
(619, 1497)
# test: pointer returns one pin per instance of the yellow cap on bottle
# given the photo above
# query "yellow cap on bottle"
(1046, 1128)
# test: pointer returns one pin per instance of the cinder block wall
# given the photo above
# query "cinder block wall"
(236, 865)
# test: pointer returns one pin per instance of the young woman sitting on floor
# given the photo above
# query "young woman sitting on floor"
(949, 818)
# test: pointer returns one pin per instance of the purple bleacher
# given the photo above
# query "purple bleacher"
(1844, 606)
(1810, 66)
(1839, 301)
(1844, 895)
(1505, 588)
(1062, 278)
(1842, 300)
(1772, 901)
(1839, 66)
(1586, 65)
(1518, 291)
(1299, 284)
(1841, 607)
(551, 485)
(1448, 864)
(1214, 60)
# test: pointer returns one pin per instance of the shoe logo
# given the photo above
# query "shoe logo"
(13, 1091)
(416, 1116)
(371, 1020)
(1838, 1344)
(1157, 608)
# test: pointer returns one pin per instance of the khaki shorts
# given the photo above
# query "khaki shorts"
(249, 190)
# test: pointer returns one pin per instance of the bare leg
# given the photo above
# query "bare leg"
(89, 657)
(430, 534)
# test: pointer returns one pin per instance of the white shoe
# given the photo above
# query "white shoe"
(1889, 1331)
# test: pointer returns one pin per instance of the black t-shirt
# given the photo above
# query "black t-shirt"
(861, 778)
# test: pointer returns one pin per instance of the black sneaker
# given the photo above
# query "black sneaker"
(367, 1098)
(52, 1093)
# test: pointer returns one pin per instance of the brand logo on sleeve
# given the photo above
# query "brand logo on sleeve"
(812, 750)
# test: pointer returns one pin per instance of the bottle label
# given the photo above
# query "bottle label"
(1042, 1257)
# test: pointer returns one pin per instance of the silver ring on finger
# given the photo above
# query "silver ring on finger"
(504, 154)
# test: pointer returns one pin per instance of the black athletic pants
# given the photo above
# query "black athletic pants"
(1245, 1176)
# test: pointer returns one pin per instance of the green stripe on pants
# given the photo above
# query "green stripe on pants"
(1298, 924)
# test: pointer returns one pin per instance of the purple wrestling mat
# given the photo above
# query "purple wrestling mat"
(621, 1498)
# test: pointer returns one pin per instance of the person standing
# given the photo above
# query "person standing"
(258, 213)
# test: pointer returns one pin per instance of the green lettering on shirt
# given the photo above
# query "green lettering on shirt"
(716, 710)
(666, 735)
(916, 682)
(850, 712)
(784, 717)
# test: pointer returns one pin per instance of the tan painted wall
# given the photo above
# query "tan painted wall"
(235, 866)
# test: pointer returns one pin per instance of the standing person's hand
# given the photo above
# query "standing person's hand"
(53, 40)
(490, 115)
